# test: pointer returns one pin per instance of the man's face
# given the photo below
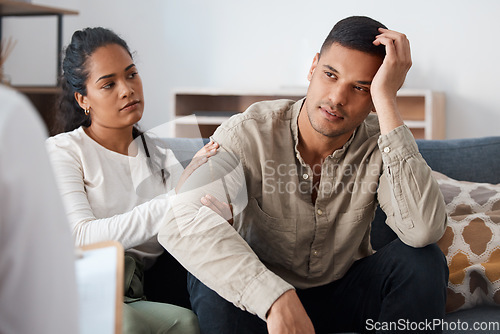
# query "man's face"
(338, 98)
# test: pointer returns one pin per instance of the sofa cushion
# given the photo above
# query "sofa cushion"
(471, 242)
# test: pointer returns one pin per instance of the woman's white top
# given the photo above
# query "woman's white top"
(111, 196)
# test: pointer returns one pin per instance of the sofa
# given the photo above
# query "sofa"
(473, 160)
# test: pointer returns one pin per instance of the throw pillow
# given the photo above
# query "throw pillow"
(471, 242)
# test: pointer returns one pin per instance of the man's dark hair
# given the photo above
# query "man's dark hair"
(357, 33)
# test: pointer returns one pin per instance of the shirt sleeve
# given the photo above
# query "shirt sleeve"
(131, 229)
(408, 193)
(210, 248)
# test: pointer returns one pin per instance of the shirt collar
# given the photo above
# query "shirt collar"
(294, 127)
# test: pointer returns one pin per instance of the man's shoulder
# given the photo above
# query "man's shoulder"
(248, 132)
(259, 114)
(371, 127)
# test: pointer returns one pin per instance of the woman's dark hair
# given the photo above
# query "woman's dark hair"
(69, 115)
(357, 33)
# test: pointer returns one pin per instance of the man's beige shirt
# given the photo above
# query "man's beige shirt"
(280, 239)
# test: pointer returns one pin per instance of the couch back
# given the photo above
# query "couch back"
(185, 148)
(475, 159)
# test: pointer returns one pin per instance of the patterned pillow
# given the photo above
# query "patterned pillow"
(471, 242)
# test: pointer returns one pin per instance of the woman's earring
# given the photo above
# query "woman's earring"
(87, 112)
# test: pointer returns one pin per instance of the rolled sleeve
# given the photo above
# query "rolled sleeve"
(263, 291)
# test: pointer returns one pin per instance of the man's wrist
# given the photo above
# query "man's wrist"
(281, 300)
(262, 292)
(388, 114)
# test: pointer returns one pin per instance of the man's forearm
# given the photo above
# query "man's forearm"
(388, 115)
(217, 255)
(408, 193)
(209, 247)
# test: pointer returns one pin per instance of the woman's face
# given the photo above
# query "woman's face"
(114, 89)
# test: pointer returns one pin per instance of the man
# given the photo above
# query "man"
(298, 259)
(38, 289)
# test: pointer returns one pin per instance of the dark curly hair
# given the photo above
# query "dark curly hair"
(69, 115)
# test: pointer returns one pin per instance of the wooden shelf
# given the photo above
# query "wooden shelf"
(422, 110)
(18, 8)
(43, 98)
(37, 89)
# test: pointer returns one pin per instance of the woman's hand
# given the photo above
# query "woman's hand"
(199, 159)
(223, 209)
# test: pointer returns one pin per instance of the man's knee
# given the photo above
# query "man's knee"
(202, 296)
(426, 265)
(217, 315)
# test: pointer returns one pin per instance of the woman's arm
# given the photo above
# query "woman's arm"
(131, 228)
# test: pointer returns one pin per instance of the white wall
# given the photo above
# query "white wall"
(261, 44)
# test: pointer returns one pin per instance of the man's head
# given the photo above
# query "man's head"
(338, 98)
(357, 33)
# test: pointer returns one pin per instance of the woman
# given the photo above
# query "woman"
(114, 179)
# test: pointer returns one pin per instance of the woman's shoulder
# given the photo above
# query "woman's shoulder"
(73, 142)
(67, 138)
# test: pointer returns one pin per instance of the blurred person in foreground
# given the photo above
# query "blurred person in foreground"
(38, 291)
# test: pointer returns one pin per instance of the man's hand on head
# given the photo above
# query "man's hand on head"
(287, 315)
(390, 77)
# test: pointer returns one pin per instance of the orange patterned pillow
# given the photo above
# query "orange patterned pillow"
(471, 242)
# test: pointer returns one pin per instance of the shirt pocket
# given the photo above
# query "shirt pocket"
(352, 231)
(272, 239)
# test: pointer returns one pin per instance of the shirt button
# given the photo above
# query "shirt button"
(315, 252)
(320, 212)
(305, 176)
(387, 149)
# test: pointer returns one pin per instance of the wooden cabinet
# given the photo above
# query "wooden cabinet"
(212, 107)
(44, 100)
(422, 110)
(42, 97)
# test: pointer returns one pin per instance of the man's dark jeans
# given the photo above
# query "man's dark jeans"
(398, 287)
